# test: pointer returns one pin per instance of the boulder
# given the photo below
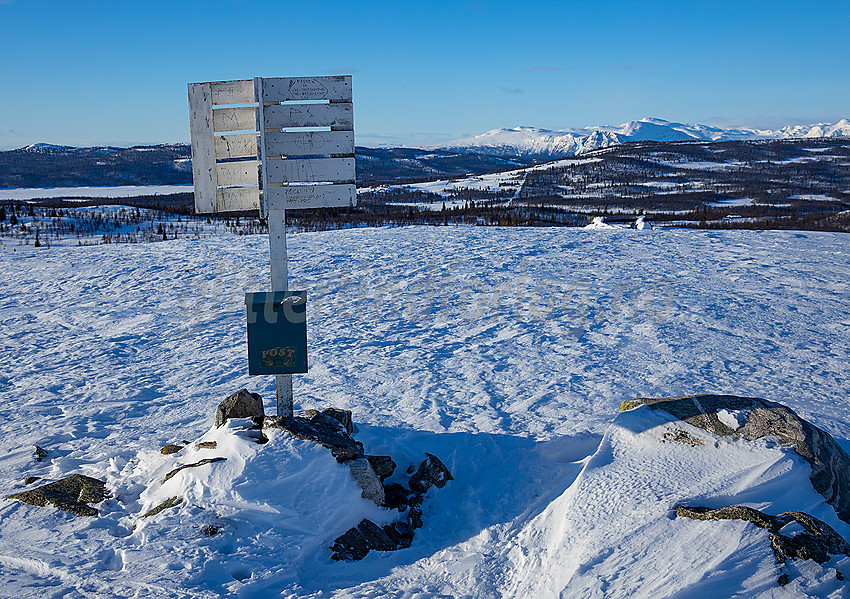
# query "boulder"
(39, 452)
(383, 465)
(396, 497)
(431, 472)
(169, 449)
(241, 404)
(343, 416)
(367, 480)
(753, 418)
(71, 494)
(322, 429)
(356, 542)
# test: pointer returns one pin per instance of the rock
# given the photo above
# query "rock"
(801, 546)
(414, 514)
(342, 416)
(816, 543)
(681, 436)
(206, 445)
(169, 449)
(40, 453)
(70, 494)
(168, 503)
(367, 480)
(431, 472)
(757, 418)
(211, 530)
(400, 533)
(733, 512)
(195, 465)
(31, 479)
(396, 497)
(241, 404)
(833, 542)
(355, 543)
(322, 429)
(383, 465)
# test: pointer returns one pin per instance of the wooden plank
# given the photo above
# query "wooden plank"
(240, 145)
(232, 92)
(203, 150)
(310, 196)
(309, 143)
(234, 199)
(244, 172)
(264, 176)
(286, 89)
(282, 116)
(310, 170)
(241, 118)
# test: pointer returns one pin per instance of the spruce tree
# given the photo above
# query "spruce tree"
(2, 214)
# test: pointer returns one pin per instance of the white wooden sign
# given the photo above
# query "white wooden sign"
(255, 143)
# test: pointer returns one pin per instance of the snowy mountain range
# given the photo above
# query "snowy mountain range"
(537, 143)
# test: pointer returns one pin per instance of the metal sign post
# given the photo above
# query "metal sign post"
(270, 144)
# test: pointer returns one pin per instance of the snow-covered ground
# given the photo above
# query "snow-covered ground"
(125, 191)
(505, 352)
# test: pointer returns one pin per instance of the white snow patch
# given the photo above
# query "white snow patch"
(124, 191)
(734, 419)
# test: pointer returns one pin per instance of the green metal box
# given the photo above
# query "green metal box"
(277, 332)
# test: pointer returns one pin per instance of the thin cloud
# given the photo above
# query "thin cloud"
(512, 90)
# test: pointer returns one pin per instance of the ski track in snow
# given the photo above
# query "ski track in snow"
(506, 352)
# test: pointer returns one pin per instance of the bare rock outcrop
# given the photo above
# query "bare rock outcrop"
(72, 493)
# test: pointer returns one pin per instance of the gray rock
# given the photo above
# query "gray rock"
(356, 542)
(830, 463)
(342, 416)
(833, 542)
(431, 472)
(167, 504)
(195, 465)
(322, 429)
(39, 453)
(367, 480)
(383, 465)
(817, 543)
(396, 497)
(733, 512)
(71, 494)
(241, 404)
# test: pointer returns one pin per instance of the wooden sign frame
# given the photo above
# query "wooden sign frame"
(272, 143)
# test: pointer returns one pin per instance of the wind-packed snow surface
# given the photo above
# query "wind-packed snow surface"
(505, 352)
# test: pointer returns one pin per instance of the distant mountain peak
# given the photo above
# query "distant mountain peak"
(536, 142)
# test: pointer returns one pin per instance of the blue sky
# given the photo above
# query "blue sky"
(85, 73)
